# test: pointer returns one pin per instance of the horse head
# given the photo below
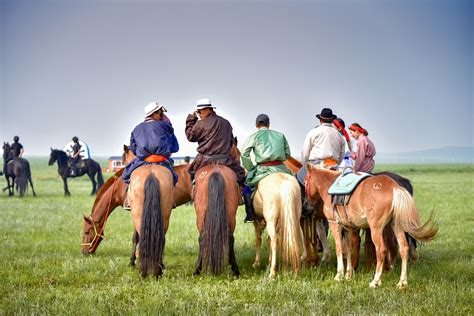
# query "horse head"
(90, 237)
(7, 150)
(53, 157)
(127, 155)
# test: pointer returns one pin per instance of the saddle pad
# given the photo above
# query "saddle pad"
(346, 183)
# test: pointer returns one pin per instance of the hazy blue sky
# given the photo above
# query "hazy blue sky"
(402, 69)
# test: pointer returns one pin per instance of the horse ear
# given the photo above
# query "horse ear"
(51, 148)
(125, 148)
(87, 218)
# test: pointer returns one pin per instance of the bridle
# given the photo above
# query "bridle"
(99, 235)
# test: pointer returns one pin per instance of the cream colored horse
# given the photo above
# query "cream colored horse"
(277, 204)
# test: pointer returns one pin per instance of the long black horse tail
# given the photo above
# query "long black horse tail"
(215, 233)
(22, 180)
(100, 178)
(152, 236)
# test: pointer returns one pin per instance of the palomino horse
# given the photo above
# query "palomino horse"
(277, 204)
(216, 198)
(151, 197)
(91, 168)
(375, 203)
(111, 195)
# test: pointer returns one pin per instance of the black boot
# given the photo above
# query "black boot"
(249, 208)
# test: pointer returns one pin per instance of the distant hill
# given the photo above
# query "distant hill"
(449, 154)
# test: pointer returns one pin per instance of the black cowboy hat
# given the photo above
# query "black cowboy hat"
(326, 115)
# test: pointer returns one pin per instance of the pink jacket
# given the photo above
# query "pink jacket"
(364, 157)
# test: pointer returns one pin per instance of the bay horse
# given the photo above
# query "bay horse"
(111, 195)
(277, 204)
(216, 198)
(376, 202)
(91, 168)
(18, 170)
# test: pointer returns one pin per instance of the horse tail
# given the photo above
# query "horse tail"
(22, 183)
(290, 236)
(407, 217)
(152, 236)
(215, 234)
(100, 178)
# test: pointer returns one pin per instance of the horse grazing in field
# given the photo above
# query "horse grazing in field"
(216, 198)
(277, 204)
(90, 167)
(151, 197)
(111, 195)
(18, 170)
(376, 202)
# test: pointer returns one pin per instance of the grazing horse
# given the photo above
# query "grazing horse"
(216, 198)
(91, 168)
(376, 202)
(277, 203)
(18, 170)
(111, 195)
(151, 197)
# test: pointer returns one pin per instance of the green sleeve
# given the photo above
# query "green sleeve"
(245, 154)
(287, 148)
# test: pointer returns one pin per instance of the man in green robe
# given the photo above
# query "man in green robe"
(270, 149)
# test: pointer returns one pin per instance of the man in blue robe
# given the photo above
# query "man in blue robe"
(152, 141)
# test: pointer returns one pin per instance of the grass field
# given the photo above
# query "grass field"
(43, 272)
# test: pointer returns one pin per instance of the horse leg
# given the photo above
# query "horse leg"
(412, 245)
(10, 191)
(135, 240)
(306, 230)
(349, 268)
(336, 232)
(273, 248)
(404, 252)
(258, 244)
(305, 252)
(66, 189)
(380, 250)
(31, 185)
(324, 240)
(232, 260)
(356, 247)
(199, 260)
(94, 184)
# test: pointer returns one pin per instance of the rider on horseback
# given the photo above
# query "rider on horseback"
(17, 148)
(75, 156)
(213, 134)
(152, 141)
(270, 149)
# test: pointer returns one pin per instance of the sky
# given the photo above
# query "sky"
(401, 69)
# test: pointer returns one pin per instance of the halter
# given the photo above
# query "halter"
(95, 241)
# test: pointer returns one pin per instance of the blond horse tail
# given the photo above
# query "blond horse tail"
(407, 217)
(290, 213)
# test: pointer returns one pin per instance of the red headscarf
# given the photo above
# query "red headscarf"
(359, 129)
(343, 131)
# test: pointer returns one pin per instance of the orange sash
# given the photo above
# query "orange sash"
(329, 162)
(155, 158)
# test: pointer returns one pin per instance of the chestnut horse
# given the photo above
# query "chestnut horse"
(216, 198)
(277, 204)
(375, 203)
(151, 197)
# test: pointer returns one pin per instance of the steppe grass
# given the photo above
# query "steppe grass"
(43, 272)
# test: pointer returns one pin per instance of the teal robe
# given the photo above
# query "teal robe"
(267, 145)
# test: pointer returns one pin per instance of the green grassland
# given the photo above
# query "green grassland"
(43, 272)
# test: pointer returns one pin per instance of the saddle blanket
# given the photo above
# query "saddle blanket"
(346, 183)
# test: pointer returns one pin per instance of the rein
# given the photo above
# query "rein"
(95, 241)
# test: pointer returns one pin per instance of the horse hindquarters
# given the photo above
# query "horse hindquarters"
(215, 234)
(152, 235)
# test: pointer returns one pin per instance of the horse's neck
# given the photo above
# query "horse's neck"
(324, 181)
(105, 203)
(62, 159)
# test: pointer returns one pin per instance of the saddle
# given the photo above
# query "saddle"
(341, 191)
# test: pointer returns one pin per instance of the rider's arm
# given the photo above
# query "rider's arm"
(193, 129)
(245, 154)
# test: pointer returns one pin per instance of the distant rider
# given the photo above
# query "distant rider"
(17, 148)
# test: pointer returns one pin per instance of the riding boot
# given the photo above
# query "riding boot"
(249, 210)
(126, 205)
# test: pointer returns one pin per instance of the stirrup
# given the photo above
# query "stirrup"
(249, 220)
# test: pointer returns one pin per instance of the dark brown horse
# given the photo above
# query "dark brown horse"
(376, 202)
(17, 170)
(216, 198)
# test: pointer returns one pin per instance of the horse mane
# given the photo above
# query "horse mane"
(103, 189)
(295, 162)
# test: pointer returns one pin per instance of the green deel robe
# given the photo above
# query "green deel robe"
(267, 145)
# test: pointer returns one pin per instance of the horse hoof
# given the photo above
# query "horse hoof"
(375, 284)
(349, 275)
(402, 284)
(196, 273)
(256, 265)
(339, 277)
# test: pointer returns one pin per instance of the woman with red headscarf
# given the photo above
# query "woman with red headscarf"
(364, 157)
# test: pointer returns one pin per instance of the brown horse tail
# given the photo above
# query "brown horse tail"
(100, 178)
(406, 215)
(290, 213)
(152, 236)
(215, 234)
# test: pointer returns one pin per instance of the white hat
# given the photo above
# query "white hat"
(152, 108)
(204, 103)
